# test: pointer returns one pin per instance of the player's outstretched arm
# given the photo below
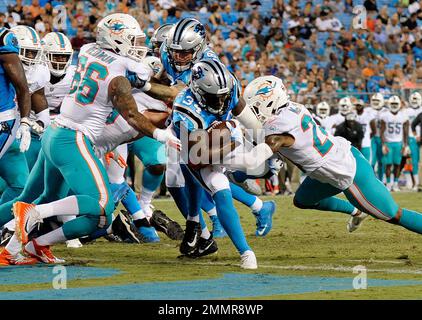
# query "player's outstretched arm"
(162, 92)
(120, 94)
(15, 72)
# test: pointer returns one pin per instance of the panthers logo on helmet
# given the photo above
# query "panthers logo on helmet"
(116, 26)
(197, 73)
(199, 28)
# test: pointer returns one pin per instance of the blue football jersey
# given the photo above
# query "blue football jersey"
(8, 44)
(184, 76)
(188, 113)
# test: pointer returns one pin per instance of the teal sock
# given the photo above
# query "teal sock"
(396, 179)
(388, 180)
(151, 181)
(335, 204)
(230, 219)
(411, 220)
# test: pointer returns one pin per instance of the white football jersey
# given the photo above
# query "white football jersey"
(411, 114)
(37, 76)
(331, 122)
(146, 102)
(377, 117)
(55, 93)
(116, 132)
(365, 120)
(394, 125)
(319, 154)
(87, 105)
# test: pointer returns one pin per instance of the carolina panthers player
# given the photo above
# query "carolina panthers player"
(332, 164)
(159, 36)
(184, 46)
(13, 122)
(365, 117)
(394, 136)
(415, 102)
(213, 95)
(80, 123)
(377, 104)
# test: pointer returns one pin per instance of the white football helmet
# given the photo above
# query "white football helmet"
(122, 34)
(323, 110)
(345, 106)
(394, 104)
(31, 51)
(58, 51)
(377, 101)
(155, 64)
(265, 96)
(415, 100)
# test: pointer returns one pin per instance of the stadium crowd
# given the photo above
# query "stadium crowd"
(315, 46)
(323, 50)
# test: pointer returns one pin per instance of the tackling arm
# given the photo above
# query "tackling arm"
(40, 107)
(120, 94)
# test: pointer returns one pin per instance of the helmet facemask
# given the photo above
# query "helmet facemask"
(58, 62)
(137, 51)
(376, 104)
(30, 56)
(395, 107)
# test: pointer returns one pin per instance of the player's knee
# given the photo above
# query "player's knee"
(396, 216)
(156, 169)
(300, 202)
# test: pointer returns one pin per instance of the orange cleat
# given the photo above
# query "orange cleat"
(22, 211)
(5, 258)
(42, 253)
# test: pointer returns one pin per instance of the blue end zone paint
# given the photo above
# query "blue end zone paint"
(229, 286)
(44, 274)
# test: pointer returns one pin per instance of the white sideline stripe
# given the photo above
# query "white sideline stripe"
(292, 267)
(94, 169)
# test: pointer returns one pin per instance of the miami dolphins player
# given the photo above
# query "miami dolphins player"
(184, 46)
(37, 75)
(365, 117)
(394, 134)
(99, 85)
(323, 111)
(13, 122)
(345, 106)
(377, 104)
(213, 95)
(414, 109)
(30, 53)
(332, 164)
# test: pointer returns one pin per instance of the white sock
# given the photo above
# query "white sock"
(416, 177)
(64, 219)
(64, 207)
(14, 246)
(53, 237)
(138, 215)
(257, 205)
(10, 225)
(409, 182)
(355, 210)
(205, 233)
(196, 218)
(212, 212)
(146, 196)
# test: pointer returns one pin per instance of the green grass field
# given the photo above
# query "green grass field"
(310, 243)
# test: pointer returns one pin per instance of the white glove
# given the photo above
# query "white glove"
(37, 128)
(24, 134)
(168, 138)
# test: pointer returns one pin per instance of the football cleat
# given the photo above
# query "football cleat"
(7, 259)
(356, 220)
(75, 243)
(217, 229)
(205, 247)
(149, 234)
(42, 253)
(124, 228)
(264, 218)
(26, 217)
(248, 260)
(191, 237)
(161, 222)
(396, 188)
(6, 235)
